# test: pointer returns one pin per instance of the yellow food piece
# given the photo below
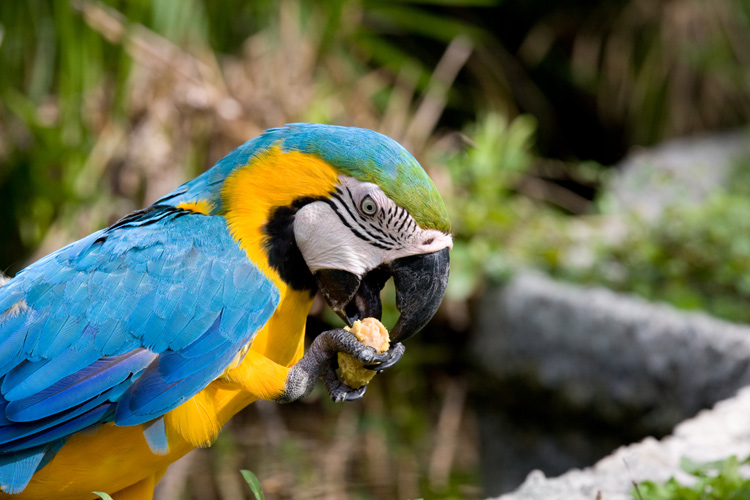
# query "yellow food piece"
(370, 332)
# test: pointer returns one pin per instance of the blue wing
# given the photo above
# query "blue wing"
(124, 325)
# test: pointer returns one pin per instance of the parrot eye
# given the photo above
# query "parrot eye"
(368, 206)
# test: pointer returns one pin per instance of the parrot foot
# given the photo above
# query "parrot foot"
(321, 361)
(338, 390)
(394, 354)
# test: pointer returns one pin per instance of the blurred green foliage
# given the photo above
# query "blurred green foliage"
(718, 480)
(486, 215)
(694, 256)
(643, 71)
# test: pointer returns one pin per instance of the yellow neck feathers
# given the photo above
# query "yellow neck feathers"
(274, 179)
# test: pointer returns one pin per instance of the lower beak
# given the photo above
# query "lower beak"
(420, 282)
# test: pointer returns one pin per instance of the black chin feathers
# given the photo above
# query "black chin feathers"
(282, 250)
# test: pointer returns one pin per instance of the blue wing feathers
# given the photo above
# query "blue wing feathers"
(206, 342)
(102, 413)
(16, 469)
(13, 335)
(12, 295)
(80, 387)
(46, 373)
(145, 399)
(124, 325)
(154, 329)
(56, 321)
(3, 419)
(111, 337)
(179, 322)
(19, 430)
(75, 250)
(57, 341)
(154, 394)
(19, 374)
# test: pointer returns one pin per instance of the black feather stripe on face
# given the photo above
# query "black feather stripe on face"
(358, 225)
(281, 247)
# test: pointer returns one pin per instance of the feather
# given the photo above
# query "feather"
(18, 430)
(80, 386)
(110, 337)
(46, 373)
(54, 323)
(242, 276)
(18, 374)
(101, 413)
(206, 342)
(13, 336)
(155, 267)
(77, 249)
(178, 323)
(17, 468)
(43, 301)
(142, 311)
(3, 419)
(61, 339)
(34, 295)
(195, 420)
(9, 296)
(156, 436)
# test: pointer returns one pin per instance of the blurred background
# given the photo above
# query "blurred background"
(524, 114)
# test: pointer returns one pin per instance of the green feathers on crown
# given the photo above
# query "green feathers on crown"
(371, 157)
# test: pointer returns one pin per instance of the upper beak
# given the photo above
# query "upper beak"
(420, 285)
(420, 282)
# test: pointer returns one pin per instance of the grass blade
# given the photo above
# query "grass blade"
(254, 483)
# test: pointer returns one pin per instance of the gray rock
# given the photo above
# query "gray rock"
(573, 372)
(613, 353)
(712, 435)
(680, 170)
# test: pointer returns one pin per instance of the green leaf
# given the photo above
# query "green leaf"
(717, 480)
(102, 495)
(254, 483)
(416, 21)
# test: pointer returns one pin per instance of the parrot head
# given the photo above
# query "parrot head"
(340, 210)
(383, 219)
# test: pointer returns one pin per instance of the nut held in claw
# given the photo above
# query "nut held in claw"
(370, 332)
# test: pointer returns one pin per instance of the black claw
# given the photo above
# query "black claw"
(390, 358)
(368, 355)
(339, 391)
(355, 394)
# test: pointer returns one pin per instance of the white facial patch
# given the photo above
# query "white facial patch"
(360, 228)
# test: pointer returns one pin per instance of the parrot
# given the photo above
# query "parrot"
(126, 349)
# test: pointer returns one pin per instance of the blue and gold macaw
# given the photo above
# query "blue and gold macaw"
(125, 350)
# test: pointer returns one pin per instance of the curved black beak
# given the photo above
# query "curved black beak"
(420, 285)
